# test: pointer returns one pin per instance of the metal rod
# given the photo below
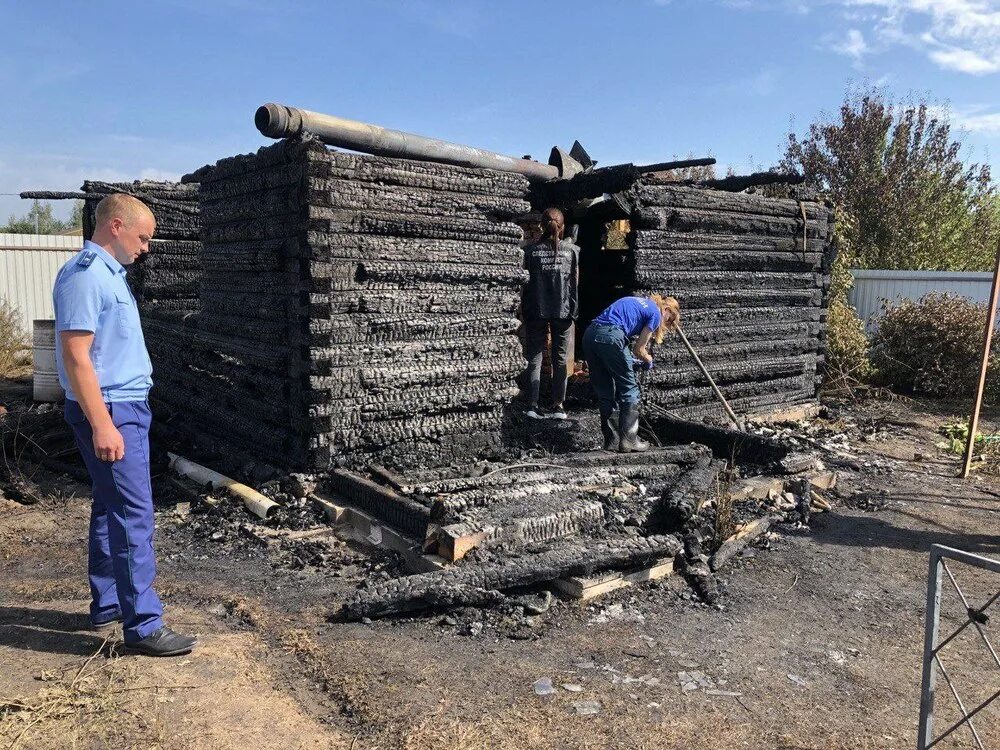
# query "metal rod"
(991, 317)
(666, 166)
(280, 121)
(711, 381)
(928, 681)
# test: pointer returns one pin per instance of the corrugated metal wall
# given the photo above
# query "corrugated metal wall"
(28, 267)
(872, 288)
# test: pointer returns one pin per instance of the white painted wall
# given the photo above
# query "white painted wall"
(28, 267)
(872, 288)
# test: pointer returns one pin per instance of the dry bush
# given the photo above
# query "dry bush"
(15, 352)
(933, 347)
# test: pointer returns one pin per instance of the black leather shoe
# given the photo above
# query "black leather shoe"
(163, 642)
(105, 621)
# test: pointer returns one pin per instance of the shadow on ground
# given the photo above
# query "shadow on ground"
(48, 630)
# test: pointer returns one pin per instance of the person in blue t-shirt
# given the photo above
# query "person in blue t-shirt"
(106, 373)
(612, 366)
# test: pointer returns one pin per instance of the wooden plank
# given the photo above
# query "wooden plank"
(455, 542)
(796, 413)
(738, 541)
(757, 488)
(585, 589)
(365, 529)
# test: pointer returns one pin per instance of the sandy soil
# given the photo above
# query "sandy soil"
(818, 643)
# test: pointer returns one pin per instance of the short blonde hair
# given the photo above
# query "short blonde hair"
(670, 315)
(121, 206)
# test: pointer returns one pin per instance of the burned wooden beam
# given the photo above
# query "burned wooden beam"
(483, 583)
(736, 183)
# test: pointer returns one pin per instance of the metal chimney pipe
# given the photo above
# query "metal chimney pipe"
(280, 121)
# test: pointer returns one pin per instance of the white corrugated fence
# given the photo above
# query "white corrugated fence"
(28, 267)
(872, 288)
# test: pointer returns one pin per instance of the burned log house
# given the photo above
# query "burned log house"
(336, 311)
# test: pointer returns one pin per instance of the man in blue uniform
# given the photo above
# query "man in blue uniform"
(106, 373)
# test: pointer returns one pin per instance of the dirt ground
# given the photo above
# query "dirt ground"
(817, 645)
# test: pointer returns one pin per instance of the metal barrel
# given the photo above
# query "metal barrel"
(45, 380)
(280, 121)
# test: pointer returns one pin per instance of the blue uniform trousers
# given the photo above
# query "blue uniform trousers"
(610, 363)
(121, 562)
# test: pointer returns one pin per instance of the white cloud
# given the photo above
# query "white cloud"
(976, 120)
(964, 61)
(959, 35)
(853, 45)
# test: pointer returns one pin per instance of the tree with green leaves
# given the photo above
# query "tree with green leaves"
(40, 220)
(896, 173)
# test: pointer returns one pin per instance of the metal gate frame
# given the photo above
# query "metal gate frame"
(933, 643)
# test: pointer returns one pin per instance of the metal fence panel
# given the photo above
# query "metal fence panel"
(872, 288)
(28, 267)
(934, 644)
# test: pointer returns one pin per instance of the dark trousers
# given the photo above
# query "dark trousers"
(610, 364)
(121, 562)
(535, 333)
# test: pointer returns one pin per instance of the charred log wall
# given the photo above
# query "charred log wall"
(164, 281)
(351, 306)
(751, 274)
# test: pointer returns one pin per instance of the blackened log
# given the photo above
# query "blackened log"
(737, 183)
(482, 581)
(682, 196)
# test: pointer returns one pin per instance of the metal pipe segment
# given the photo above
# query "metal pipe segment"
(280, 121)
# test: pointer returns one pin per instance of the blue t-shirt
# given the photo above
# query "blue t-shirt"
(631, 314)
(91, 294)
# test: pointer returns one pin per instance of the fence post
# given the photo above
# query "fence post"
(928, 681)
(991, 316)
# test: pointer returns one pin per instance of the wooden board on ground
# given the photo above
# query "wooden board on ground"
(367, 530)
(738, 541)
(587, 588)
(788, 414)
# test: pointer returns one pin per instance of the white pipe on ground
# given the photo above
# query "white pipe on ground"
(256, 503)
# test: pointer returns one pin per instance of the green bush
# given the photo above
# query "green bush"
(933, 347)
(846, 347)
(847, 362)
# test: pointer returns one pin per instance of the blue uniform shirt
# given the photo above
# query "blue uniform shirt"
(631, 314)
(91, 294)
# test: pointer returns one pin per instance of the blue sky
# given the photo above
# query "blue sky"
(115, 90)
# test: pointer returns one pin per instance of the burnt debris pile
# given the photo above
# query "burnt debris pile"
(751, 275)
(500, 527)
(352, 305)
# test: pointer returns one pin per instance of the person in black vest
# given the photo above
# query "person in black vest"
(549, 306)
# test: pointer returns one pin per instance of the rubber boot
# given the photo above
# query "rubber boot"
(609, 428)
(628, 430)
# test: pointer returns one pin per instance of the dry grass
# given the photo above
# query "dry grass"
(15, 351)
(725, 524)
(82, 706)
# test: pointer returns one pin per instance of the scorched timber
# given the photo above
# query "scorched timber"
(713, 200)
(691, 220)
(480, 584)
